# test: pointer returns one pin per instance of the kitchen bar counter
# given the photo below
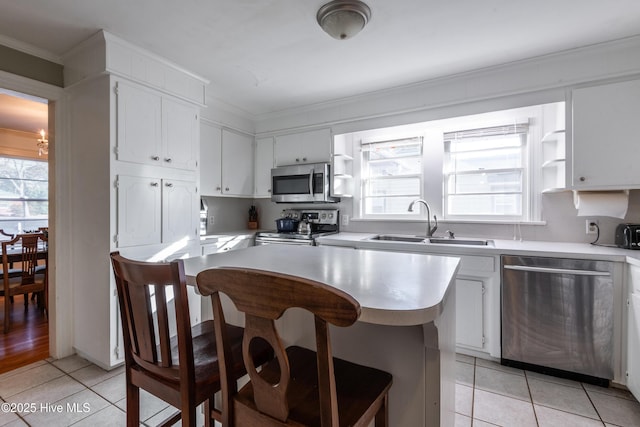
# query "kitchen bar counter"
(407, 325)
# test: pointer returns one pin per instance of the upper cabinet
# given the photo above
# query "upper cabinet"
(264, 163)
(605, 136)
(155, 129)
(305, 147)
(226, 158)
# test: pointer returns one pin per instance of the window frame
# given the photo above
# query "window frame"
(25, 200)
(364, 181)
(523, 130)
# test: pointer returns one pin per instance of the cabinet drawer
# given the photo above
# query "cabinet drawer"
(474, 263)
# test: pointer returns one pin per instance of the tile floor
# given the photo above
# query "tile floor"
(72, 391)
(489, 394)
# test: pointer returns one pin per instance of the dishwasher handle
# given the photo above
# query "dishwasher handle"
(558, 270)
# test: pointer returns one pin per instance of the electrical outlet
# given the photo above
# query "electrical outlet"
(592, 226)
(344, 220)
(212, 219)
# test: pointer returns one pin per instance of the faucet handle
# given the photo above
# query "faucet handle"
(451, 235)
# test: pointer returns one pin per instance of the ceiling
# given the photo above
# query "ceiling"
(266, 56)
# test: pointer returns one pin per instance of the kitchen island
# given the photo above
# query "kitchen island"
(407, 324)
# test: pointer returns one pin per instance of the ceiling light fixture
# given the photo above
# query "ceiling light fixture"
(343, 19)
(43, 144)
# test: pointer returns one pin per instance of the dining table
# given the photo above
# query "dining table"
(406, 326)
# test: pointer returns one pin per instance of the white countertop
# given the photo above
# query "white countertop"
(513, 247)
(396, 289)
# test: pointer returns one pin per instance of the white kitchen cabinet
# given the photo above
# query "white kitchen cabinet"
(210, 160)
(237, 164)
(180, 134)
(155, 129)
(553, 161)
(305, 147)
(154, 210)
(633, 332)
(226, 162)
(605, 125)
(470, 313)
(264, 163)
(226, 243)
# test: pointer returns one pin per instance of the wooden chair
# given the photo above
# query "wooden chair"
(299, 387)
(23, 250)
(183, 370)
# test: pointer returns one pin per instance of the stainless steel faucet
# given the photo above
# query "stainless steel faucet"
(430, 230)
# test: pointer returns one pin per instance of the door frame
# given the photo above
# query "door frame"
(60, 231)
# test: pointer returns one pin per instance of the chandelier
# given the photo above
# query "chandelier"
(43, 144)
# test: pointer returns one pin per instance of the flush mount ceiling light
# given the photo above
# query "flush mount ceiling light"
(343, 19)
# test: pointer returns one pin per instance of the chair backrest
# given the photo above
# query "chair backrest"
(4, 233)
(144, 294)
(263, 297)
(27, 245)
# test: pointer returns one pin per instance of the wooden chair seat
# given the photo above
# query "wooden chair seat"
(358, 388)
(300, 387)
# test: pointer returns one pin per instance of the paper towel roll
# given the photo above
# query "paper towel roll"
(601, 203)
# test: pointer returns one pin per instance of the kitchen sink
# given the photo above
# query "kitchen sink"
(429, 240)
(398, 238)
(447, 241)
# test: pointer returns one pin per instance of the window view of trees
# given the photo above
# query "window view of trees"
(23, 193)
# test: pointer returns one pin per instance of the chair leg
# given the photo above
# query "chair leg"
(133, 405)
(188, 415)
(382, 416)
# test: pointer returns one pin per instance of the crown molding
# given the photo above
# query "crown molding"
(29, 49)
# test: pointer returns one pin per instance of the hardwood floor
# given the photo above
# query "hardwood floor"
(28, 339)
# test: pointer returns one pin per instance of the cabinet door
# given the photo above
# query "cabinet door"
(237, 164)
(139, 211)
(633, 345)
(306, 147)
(604, 134)
(138, 124)
(180, 210)
(264, 164)
(470, 313)
(210, 160)
(180, 134)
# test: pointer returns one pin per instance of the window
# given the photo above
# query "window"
(485, 173)
(391, 176)
(23, 194)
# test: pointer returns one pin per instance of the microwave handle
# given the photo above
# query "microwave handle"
(311, 175)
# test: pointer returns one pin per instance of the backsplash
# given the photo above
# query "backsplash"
(559, 213)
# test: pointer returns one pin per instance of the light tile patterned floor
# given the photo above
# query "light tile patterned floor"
(487, 394)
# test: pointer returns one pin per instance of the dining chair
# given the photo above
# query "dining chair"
(23, 250)
(300, 387)
(181, 370)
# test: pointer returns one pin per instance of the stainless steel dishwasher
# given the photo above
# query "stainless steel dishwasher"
(557, 316)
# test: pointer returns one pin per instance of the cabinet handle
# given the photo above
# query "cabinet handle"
(269, 191)
(304, 159)
(169, 184)
(154, 184)
(226, 189)
(155, 158)
(583, 179)
(297, 160)
(168, 160)
(218, 188)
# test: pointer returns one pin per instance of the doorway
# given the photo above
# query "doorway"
(24, 208)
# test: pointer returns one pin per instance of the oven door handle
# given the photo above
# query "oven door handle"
(280, 241)
(558, 270)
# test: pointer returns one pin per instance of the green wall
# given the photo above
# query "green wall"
(20, 63)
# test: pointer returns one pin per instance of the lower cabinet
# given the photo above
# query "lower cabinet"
(470, 314)
(227, 243)
(633, 333)
(156, 210)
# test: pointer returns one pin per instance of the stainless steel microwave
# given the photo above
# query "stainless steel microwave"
(310, 183)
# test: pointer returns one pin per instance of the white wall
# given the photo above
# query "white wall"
(534, 81)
